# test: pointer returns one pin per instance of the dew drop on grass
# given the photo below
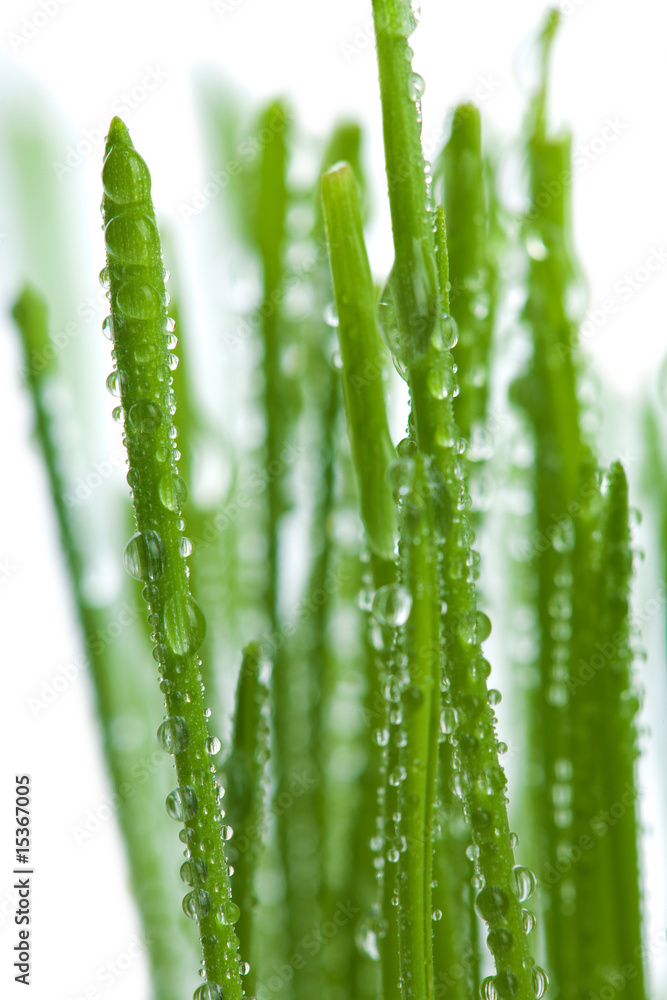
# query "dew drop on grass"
(525, 882)
(213, 745)
(114, 384)
(184, 624)
(330, 315)
(448, 720)
(107, 328)
(132, 238)
(487, 989)
(366, 938)
(500, 941)
(392, 605)
(381, 737)
(145, 416)
(244, 968)
(416, 86)
(139, 300)
(208, 991)
(105, 277)
(229, 913)
(185, 547)
(117, 414)
(145, 556)
(492, 903)
(197, 904)
(173, 491)
(388, 321)
(181, 804)
(125, 176)
(440, 379)
(172, 735)
(400, 476)
(194, 871)
(226, 832)
(540, 982)
(529, 921)
(494, 697)
(436, 915)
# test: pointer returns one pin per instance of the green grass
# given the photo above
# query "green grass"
(345, 814)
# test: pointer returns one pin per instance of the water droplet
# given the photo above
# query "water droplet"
(114, 384)
(194, 871)
(500, 941)
(448, 720)
(117, 413)
(244, 968)
(132, 238)
(494, 697)
(366, 938)
(184, 624)
(449, 332)
(536, 248)
(416, 86)
(400, 477)
(388, 325)
(213, 745)
(105, 277)
(145, 416)
(529, 921)
(483, 626)
(330, 315)
(182, 803)
(487, 989)
(125, 176)
(139, 300)
(145, 556)
(229, 913)
(172, 735)
(381, 737)
(540, 982)
(525, 882)
(107, 328)
(440, 379)
(397, 776)
(492, 903)
(173, 491)
(185, 547)
(208, 991)
(436, 915)
(226, 832)
(197, 904)
(564, 536)
(172, 361)
(392, 605)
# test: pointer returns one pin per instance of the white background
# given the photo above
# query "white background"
(609, 64)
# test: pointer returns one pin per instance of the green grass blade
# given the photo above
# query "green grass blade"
(120, 692)
(245, 771)
(470, 273)
(428, 366)
(155, 554)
